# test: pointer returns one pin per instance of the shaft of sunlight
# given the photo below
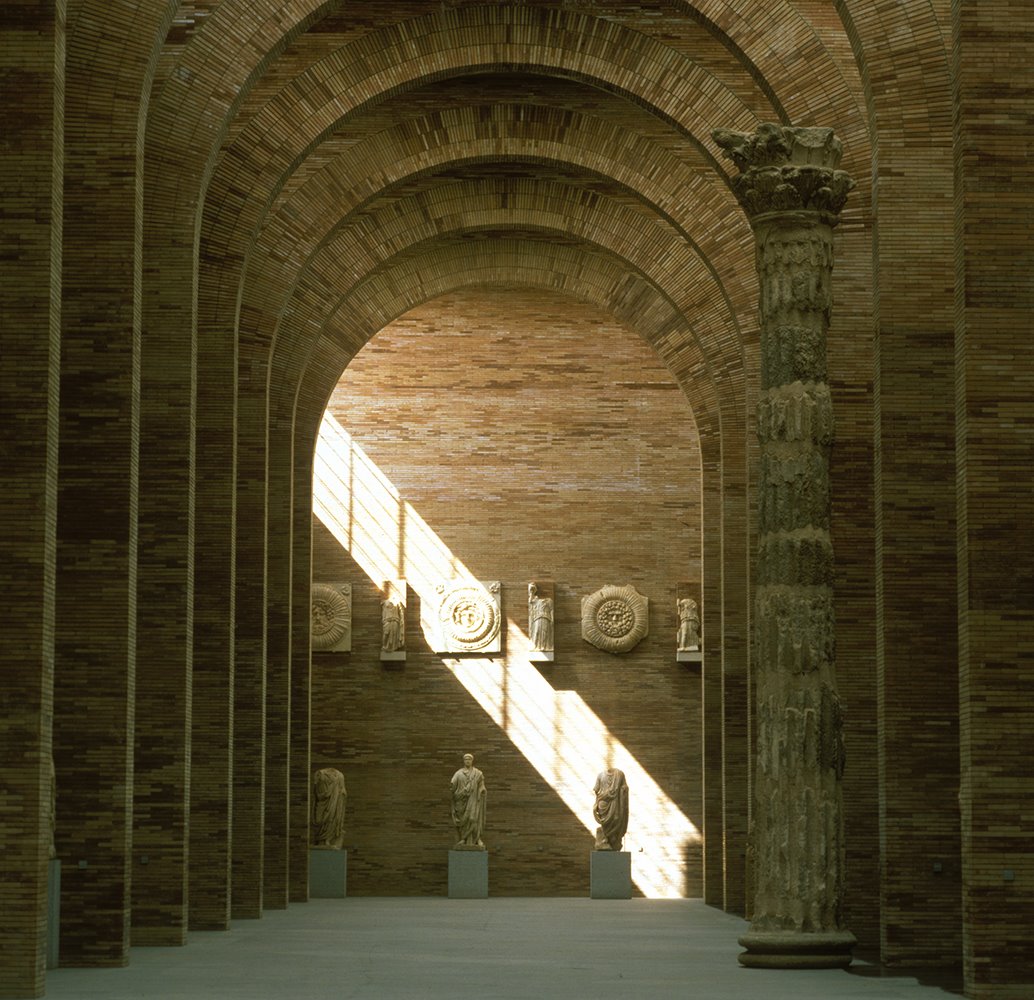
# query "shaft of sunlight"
(556, 731)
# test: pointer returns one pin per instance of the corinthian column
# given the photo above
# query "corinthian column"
(792, 193)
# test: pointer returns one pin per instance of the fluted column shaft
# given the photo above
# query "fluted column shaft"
(792, 193)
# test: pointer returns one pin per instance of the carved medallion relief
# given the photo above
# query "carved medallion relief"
(469, 617)
(332, 617)
(614, 619)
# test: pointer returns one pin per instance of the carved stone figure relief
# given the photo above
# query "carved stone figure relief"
(329, 797)
(614, 619)
(332, 617)
(469, 617)
(540, 622)
(393, 620)
(689, 625)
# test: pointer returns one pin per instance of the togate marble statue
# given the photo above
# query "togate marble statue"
(611, 809)
(689, 624)
(468, 806)
(328, 809)
(540, 620)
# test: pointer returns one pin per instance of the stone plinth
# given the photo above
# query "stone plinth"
(468, 874)
(689, 656)
(328, 873)
(610, 875)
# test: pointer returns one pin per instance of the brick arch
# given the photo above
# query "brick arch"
(591, 273)
(371, 73)
(798, 49)
(251, 451)
(711, 123)
(683, 200)
(484, 264)
(346, 253)
(367, 52)
(433, 269)
(604, 53)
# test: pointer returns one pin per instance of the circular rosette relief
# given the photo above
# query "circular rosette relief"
(614, 619)
(469, 618)
(331, 617)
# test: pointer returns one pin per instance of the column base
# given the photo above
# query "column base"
(797, 950)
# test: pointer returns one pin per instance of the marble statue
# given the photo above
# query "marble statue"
(540, 620)
(611, 809)
(468, 806)
(328, 808)
(393, 626)
(689, 624)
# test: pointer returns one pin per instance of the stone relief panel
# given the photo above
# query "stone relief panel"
(614, 619)
(393, 620)
(540, 622)
(469, 618)
(687, 609)
(332, 617)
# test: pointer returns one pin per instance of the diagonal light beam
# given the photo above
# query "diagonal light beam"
(556, 731)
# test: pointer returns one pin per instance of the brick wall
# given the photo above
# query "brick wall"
(541, 440)
(994, 385)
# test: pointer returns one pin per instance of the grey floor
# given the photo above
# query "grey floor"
(488, 949)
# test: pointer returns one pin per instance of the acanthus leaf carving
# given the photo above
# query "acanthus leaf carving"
(786, 168)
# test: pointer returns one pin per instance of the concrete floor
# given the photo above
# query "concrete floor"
(494, 949)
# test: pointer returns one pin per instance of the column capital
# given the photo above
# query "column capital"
(787, 169)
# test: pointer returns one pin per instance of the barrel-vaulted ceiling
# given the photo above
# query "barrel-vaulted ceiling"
(319, 169)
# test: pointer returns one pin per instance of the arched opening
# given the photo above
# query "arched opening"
(510, 435)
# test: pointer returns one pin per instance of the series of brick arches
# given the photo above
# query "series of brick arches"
(228, 200)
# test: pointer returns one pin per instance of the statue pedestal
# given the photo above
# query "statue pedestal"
(328, 873)
(393, 656)
(610, 875)
(689, 656)
(540, 656)
(468, 874)
(53, 911)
